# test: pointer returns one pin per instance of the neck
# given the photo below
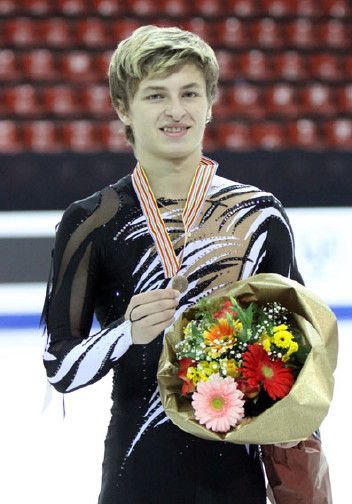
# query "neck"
(171, 178)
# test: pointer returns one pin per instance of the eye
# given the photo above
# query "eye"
(154, 96)
(191, 94)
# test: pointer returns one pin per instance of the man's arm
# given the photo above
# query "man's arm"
(72, 358)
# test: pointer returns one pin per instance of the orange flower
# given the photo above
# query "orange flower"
(220, 330)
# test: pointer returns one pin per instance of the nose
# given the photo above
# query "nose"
(175, 109)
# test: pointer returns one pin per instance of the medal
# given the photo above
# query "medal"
(195, 200)
(179, 283)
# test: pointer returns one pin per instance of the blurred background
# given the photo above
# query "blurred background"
(283, 122)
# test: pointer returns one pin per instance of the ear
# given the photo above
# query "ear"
(209, 114)
(123, 115)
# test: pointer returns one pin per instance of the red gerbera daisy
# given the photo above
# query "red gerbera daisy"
(258, 368)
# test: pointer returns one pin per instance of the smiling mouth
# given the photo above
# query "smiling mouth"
(176, 129)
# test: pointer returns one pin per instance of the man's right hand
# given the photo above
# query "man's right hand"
(153, 311)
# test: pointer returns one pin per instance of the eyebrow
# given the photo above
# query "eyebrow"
(162, 88)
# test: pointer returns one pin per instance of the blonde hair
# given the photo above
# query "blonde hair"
(156, 51)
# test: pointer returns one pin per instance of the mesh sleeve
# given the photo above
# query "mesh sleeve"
(73, 358)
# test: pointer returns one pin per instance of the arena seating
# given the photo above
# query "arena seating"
(285, 71)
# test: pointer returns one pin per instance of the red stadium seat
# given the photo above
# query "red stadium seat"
(344, 99)
(92, 32)
(246, 99)
(200, 26)
(107, 7)
(336, 8)
(175, 7)
(10, 141)
(77, 66)
(255, 65)
(41, 136)
(334, 34)
(61, 101)
(143, 7)
(304, 133)
(302, 32)
(227, 64)
(9, 70)
(243, 8)
(73, 7)
(101, 64)
(281, 99)
(232, 32)
(338, 133)
(346, 62)
(96, 100)
(8, 7)
(279, 8)
(3, 106)
(267, 33)
(307, 7)
(269, 135)
(290, 65)
(317, 98)
(56, 32)
(22, 100)
(221, 106)
(80, 136)
(325, 67)
(39, 65)
(21, 32)
(234, 136)
(113, 137)
(38, 7)
(208, 7)
(164, 21)
(122, 28)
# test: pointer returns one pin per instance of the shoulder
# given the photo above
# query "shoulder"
(223, 185)
(93, 211)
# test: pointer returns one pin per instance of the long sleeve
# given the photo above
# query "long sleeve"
(72, 358)
(279, 256)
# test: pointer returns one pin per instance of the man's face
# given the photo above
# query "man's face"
(168, 115)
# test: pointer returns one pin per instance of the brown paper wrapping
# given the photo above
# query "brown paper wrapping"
(301, 412)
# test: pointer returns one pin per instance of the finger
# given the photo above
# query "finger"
(153, 319)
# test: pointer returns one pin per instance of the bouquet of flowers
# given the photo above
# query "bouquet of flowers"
(252, 364)
(235, 361)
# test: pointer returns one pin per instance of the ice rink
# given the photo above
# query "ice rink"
(46, 458)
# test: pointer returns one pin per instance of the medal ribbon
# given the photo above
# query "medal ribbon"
(196, 196)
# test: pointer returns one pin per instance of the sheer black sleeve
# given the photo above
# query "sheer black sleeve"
(72, 358)
(279, 246)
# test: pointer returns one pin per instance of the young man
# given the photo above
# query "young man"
(127, 250)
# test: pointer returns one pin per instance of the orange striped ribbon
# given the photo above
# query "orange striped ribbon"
(196, 196)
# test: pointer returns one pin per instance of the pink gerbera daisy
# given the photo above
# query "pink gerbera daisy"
(218, 403)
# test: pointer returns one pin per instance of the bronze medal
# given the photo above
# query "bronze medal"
(179, 283)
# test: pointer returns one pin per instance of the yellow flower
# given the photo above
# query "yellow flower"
(188, 330)
(232, 368)
(237, 325)
(281, 327)
(293, 348)
(193, 375)
(266, 341)
(281, 337)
